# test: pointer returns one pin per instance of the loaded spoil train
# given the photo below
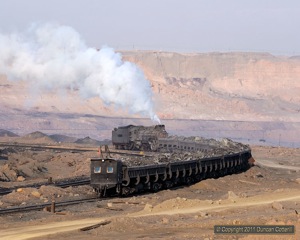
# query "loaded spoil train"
(169, 161)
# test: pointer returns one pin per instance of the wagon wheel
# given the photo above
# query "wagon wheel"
(125, 191)
(156, 187)
(101, 193)
(189, 181)
(129, 146)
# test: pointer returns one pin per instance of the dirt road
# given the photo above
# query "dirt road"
(271, 164)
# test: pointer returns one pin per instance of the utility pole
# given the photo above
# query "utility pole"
(279, 141)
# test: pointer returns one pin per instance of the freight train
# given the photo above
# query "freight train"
(178, 161)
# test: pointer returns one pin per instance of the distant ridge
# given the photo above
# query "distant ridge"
(295, 57)
(88, 140)
(62, 138)
(6, 133)
(37, 137)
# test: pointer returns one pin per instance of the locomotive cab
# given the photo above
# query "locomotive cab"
(121, 137)
(106, 175)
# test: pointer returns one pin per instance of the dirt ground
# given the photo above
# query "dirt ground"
(266, 194)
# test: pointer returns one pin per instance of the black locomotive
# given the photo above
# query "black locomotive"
(138, 137)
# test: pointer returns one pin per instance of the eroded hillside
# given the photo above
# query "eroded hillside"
(244, 96)
(228, 86)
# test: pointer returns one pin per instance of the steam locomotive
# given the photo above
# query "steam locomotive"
(138, 137)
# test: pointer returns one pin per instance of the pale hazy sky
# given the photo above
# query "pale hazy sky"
(172, 25)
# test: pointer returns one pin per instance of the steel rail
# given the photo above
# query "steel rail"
(52, 147)
(74, 149)
(42, 206)
(62, 184)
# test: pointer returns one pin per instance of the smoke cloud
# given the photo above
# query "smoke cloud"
(55, 57)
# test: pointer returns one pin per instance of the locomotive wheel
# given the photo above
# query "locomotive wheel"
(131, 146)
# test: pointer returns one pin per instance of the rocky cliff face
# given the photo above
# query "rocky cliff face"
(229, 87)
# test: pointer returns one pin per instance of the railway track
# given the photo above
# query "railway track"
(42, 206)
(35, 147)
(62, 183)
(4, 191)
(42, 147)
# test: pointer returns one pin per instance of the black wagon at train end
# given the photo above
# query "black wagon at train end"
(106, 176)
(118, 177)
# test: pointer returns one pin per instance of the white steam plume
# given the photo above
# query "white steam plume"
(52, 56)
